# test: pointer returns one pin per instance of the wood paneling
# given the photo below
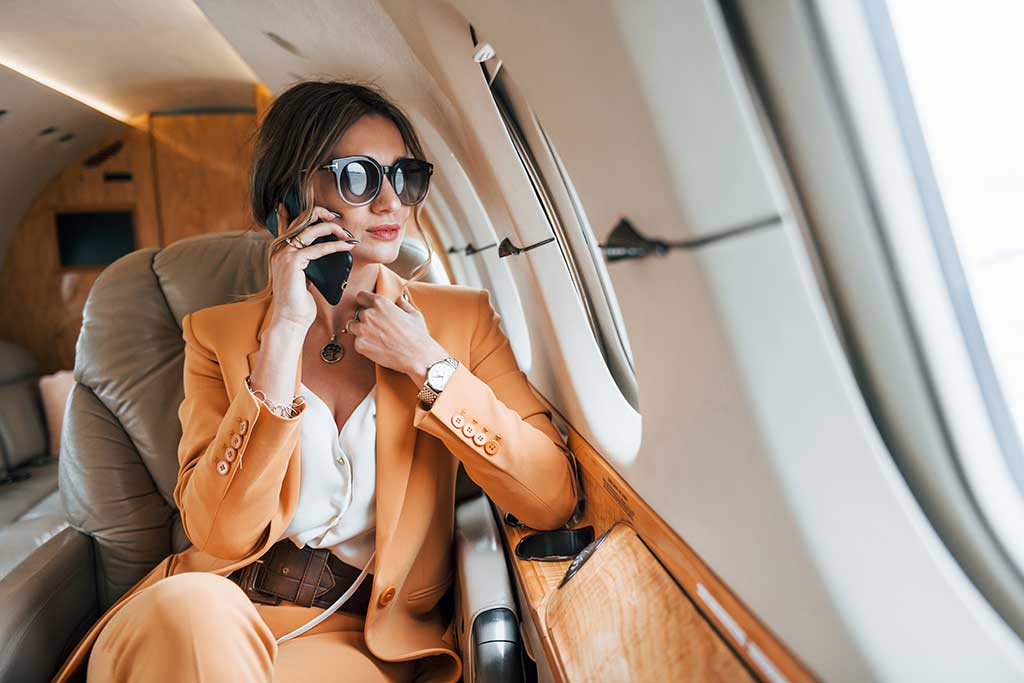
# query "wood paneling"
(188, 175)
(202, 164)
(621, 617)
(609, 501)
(41, 301)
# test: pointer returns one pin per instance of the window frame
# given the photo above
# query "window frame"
(565, 215)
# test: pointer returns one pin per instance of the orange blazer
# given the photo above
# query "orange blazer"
(234, 517)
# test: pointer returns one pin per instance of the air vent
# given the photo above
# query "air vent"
(103, 155)
(66, 137)
(49, 130)
(284, 44)
(117, 177)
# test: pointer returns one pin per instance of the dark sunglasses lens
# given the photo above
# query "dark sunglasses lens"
(359, 181)
(410, 180)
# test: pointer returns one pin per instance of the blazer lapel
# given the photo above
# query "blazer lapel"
(396, 436)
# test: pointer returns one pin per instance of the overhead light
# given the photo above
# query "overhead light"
(64, 89)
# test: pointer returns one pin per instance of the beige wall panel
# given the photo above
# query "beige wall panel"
(202, 166)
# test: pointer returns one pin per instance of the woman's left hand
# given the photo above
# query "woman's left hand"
(395, 336)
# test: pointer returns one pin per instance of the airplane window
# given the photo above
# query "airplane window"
(969, 124)
(578, 244)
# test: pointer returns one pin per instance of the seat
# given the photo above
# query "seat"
(118, 461)
(30, 506)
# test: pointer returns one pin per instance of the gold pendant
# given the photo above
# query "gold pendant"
(332, 351)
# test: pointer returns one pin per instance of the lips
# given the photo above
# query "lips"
(385, 232)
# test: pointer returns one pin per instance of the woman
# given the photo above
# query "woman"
(273, 522)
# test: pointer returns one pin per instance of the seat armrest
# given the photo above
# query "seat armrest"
(48, 602)
(487, 617)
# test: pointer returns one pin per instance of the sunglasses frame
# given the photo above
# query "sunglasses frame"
(337, 165)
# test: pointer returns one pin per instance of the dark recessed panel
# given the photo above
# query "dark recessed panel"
(94, 238)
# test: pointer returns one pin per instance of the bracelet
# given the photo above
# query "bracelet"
(282, 409)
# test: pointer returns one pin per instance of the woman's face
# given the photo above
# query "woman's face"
(376, 137)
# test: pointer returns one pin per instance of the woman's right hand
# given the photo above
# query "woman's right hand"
(293, 302)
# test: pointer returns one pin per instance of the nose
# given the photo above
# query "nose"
(387, 199)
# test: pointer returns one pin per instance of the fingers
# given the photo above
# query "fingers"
(310, 234)
(325, 215)
(406, 305)
(369, 299)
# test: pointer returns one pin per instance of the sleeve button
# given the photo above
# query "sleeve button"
(386, 597)
(491, 447)
(458, 421)
(222, 467)
(469, 430)
(242, 426)
(236, 441)
(479, 438)
(230, 453)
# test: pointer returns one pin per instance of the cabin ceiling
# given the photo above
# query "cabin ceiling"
(133, 57)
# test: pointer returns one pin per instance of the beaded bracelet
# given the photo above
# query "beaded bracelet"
(284, 410)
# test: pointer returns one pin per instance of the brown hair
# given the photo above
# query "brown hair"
(298, 131)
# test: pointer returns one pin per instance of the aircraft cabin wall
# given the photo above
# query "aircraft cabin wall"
(716, 381)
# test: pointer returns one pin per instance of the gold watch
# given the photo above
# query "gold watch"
(438, 375)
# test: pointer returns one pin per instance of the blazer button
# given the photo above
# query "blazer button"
(469, 430)
(236, 441)
(479, 438)
(222, 467)
(242, 426)
(491, 447)
(458, 421)
(230, 453)
(386, 597)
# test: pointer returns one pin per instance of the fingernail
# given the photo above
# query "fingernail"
(335, 213)
(352, 241)
(349, 233)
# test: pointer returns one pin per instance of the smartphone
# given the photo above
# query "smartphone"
(330, 272)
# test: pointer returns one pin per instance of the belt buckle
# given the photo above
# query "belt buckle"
(250, 575)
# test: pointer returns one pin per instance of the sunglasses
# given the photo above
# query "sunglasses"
(359, 178)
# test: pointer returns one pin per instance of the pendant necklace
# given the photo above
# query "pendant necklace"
(332, 351)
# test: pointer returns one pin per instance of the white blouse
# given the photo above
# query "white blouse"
(337, 491)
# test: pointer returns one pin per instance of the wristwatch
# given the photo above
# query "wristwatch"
(438, 375)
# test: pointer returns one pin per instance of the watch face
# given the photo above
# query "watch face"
(439, 374)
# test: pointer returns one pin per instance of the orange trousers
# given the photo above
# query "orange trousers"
(201, 627)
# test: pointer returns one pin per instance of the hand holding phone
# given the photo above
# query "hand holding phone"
(327, 268)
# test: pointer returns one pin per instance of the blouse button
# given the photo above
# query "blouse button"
(458, 421)
(230, 453)
(222, 467)
(386, 597)
(479, 438)
(491, 447)
(236, 441)
(469, 430)
(242, 426)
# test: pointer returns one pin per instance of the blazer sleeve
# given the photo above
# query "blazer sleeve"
(521, 461)
(227, 500)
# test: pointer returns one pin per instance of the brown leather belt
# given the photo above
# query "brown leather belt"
(305, 576)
